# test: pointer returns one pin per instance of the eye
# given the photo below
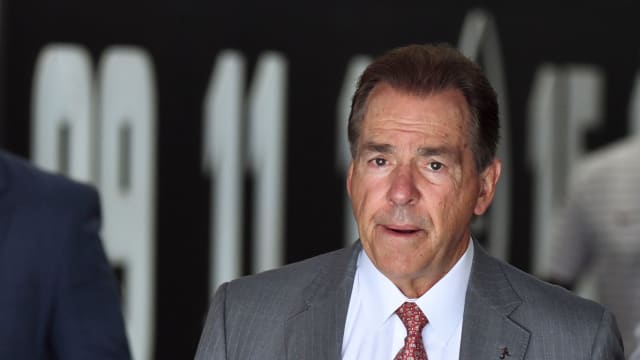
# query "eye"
(435, 166)
(379, 162)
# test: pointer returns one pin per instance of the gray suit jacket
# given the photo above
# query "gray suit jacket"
(299, 312)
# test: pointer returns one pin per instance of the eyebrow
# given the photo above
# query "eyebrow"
(379, 148)
(450, 152)
(440, 150)
(423, 151)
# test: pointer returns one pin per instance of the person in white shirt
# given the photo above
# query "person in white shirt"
(598, 234)
(423, 131)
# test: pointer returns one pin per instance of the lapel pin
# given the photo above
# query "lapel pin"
(504, 352)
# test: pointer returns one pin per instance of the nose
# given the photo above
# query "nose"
(403, 190)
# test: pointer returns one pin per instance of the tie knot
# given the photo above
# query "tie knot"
(412, 317)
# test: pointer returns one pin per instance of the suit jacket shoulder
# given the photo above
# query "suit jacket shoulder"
(509, 309)
(297, 311)
(61, 298)
(29, 185)
(300, 279)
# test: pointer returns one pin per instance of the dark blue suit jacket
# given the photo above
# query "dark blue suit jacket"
(58, 294)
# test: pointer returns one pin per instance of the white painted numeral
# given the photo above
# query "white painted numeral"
(127, 182)
(634, 114)
(480, 42)
(62, 124)
(117, 153)
(267, 145)
(355, 68)
(222, 159)
(564, 103)
(224, 108)
(544, 107)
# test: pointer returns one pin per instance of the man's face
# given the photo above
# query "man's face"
(414, 186)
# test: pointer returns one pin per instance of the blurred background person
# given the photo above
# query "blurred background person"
(59, 296)
(598, 235)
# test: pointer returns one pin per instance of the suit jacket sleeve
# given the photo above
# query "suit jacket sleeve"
(213, 340)
(607, 344)
(87, 320)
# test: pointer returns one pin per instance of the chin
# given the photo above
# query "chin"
(401, 265)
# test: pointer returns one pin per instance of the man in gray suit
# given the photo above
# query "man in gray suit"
(423, 131)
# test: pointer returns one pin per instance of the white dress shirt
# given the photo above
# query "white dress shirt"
(374, 332)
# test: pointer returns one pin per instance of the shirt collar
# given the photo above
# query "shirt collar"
(443, 304)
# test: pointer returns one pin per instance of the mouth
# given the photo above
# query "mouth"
(401, 230)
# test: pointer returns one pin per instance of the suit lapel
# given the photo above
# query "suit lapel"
(315, 330)
(488, 331)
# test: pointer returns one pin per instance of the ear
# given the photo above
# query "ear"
(349, 177)
(488, 181)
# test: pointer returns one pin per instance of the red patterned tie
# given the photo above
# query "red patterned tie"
(414, 320)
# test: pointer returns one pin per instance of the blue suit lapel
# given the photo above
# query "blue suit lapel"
(488, 331)
(315, 330)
